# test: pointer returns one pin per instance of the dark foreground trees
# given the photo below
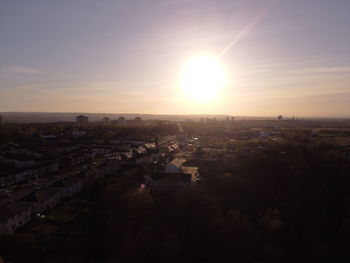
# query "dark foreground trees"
(287, 203)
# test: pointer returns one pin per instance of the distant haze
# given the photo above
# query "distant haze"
(289, 57)
(46, 117)
(41, 117)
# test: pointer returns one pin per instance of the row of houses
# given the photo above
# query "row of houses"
(19, 158)
(140, 155)
(37, 200)
(13, 216)
(15, 169)
(177, 168)
(18, 213)
(19, 175)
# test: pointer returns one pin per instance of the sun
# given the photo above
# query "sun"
(202, 78)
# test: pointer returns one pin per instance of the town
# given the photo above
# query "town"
(47, 167)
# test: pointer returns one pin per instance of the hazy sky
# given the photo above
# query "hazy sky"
(292, 56)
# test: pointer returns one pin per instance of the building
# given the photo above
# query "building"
(82, 121)
(13, 216)
(138, 120)
(43, 200)
(174, 147)
(121, 121)
(213, 120)
(70, 186)
(175, 166)
(105, 121)
(264, 133)
(191, 171)
(77, 133)
(146, 159)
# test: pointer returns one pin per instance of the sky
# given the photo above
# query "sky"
(289, 57)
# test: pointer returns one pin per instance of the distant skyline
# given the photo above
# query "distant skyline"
(289, 57)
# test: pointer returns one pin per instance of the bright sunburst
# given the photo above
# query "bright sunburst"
(202, 78)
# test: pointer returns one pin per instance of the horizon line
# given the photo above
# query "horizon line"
(184, 114)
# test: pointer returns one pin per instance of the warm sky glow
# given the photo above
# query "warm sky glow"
(289, 57)
(202, 78)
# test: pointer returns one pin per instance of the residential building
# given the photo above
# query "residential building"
(43, 199)
(121, 121)
(105, 121)
(70, 186)
(82, 121)
(146, 159)
(138, 120)
(192, 171)
(13, 216)
(78, 133)
(175, 166)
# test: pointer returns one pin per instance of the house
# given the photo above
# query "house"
(14, 176)
(45, 168)
(13, 216)
(264, 133)
(154, 152)
(77, 133)
(122, 147)
(135, 142)
(121, 120)
(70, 186)
(44, 199)
(18, 161)
(146, 159)
(174, 148)
(101, 149)
(128, 157)
(114, 142)
(140, 151)
(105, 121)
(20, 158)
(175, 166)
(150, 145)
(88, 177)
(85, 152)
(192, 171)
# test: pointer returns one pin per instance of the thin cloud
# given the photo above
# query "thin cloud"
(328, 70)
(293, 69)
(17, 69)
